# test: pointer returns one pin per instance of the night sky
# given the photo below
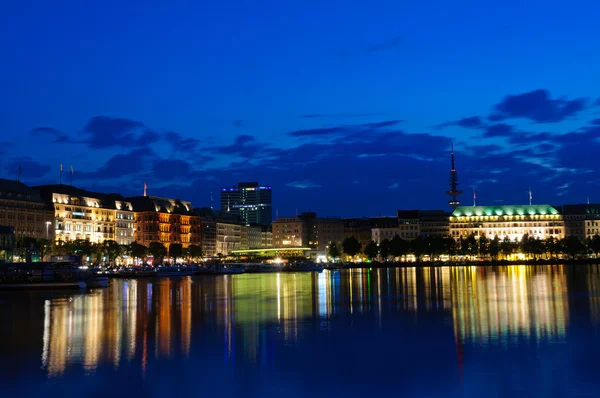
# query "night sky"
(344, 108)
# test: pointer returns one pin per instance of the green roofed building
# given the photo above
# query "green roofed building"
(538, 221)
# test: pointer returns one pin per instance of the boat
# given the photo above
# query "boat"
(221, 269)
(43, 275)
(156, 272)
(306, 266)
(262, 267)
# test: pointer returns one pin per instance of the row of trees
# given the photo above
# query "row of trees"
(471, 247)
(110, 251)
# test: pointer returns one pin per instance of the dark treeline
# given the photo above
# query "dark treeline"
(470, 247)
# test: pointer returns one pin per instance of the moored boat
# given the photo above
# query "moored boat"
(221, 269)
(306, 266)
(262, 267)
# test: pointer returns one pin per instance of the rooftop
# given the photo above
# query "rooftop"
(521, 210)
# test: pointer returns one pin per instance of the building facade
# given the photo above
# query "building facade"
(581, 220)
(289, 232)
(362, 228)
(255, 237)
(124, 222)
(168, 221)
(229, 237)
(22, 208)
(380, 234)
(7, 243)
(249, 201)
(80, 214)
(538, 221)
(414, 223)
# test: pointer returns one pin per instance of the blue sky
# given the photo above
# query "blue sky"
(343, 108)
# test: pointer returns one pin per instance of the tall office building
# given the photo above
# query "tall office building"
(250, 201)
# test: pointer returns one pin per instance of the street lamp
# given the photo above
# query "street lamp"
(47, 226)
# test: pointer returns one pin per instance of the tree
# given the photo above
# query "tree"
(537, 247)
(371, 250)
(384, 249)
(138, 251)
(112, 250)
(506, 247)
(552, 246)
(44, 246)
(333, 252)
(417, 247)
(472, 248)
(158, 251)
(593, 244)
(175, 251)
(572, 246)
(399, 247)
(194, 252)
(450, 246)
(81, 247)
(351, 246)
(483, 248)
(494, 247)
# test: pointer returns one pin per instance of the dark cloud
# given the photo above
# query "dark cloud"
(167, 169)
(338, 115)
(387, 45)
(245, 146)
(30, 169)
(473, 122)
(106, 132)
(238, 123)
(322, 131)
(134, 162)
(47, 130)
(538, 107)
(499, 130)
(180, 143)
(386, 123)
(595, 122)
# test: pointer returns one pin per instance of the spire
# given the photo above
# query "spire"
(145, 188)
(454, 191)
(530, 196)
(474, 198)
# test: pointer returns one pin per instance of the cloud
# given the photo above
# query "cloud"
(238, 123)
(134, 162)
(387, 45)
(30, 169)
(46, 130)
(386, 123)
(344, 129)
(498, 130)
(538, 107)
(473, 122)
(338, 115)
(322, 131)
(168, 169)
(304, 184)
(106, 132)
(394, 186)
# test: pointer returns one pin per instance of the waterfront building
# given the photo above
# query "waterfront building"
(581, 220)
(255, 236)
(289, 232)
(266, 237)
(22, 208)
(362, 228)
(80, 214)
(380, 234)
(209, 237)
(124, 222)
(413, 223)
(538, 221)
(166, 221)
(7, 243)
(249, 201)
(229, 237)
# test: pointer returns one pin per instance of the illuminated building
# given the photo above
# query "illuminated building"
(255, 236)
(538, 221)
(289, 232)
(229, 237)
(250, 201)
(362, 228)
(582, 220)
(380, 234)
(125, 222)
(209, 237)
(413, 223)
(22, 208)
(80, 214)
(166, 221)
(266, 237)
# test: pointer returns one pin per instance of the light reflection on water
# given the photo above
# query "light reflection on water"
(249, 319)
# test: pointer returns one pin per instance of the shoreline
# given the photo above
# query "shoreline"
(487, 263)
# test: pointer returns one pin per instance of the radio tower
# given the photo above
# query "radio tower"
(454, 191)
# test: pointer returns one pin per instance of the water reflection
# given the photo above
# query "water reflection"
(243, 317)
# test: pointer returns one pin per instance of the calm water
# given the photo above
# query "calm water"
(510, 331)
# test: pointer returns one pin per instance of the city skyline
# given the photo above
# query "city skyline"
(341, 120)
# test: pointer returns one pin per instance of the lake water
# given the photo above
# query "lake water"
(450, 331)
